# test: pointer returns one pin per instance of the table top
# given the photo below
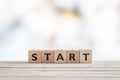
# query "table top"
(103, 70)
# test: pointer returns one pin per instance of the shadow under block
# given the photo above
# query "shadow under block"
(85, 56)
(60, 56)
(48, 56)
(34, 56)
(72, 56)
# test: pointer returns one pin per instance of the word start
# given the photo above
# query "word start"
(60, 56)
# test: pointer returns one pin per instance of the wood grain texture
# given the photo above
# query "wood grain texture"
(99, 70)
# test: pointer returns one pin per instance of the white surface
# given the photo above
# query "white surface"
(26, 71)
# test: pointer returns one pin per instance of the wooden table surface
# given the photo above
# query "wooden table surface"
(99, 70)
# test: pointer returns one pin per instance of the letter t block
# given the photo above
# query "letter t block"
(85, 56)
(47, 56)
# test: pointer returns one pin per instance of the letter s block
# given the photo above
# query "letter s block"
(34, 56)
(85, 56)
(48, 56)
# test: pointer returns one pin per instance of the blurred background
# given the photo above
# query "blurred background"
(59, 24)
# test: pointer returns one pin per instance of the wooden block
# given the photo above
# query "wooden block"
(48, 56)
(60, 56)
(34, 56)
(85, 56)
(72, 56)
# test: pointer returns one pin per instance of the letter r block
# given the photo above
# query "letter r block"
(47, 56)
(34, 56)
(72, 56)
(85, 56)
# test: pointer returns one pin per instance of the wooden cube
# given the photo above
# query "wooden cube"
(85, 56)
(34, 56)
(48, 56)
(72, 56)
(60, 56)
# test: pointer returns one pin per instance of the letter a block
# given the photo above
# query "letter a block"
(48, 56)
(60, 56)
(85, 56)
(72, 56)
(34, 56)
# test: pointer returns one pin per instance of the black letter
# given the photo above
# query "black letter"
(34, 57)
(85, 55)
(60, 57)
(72, 56)
(47, 55)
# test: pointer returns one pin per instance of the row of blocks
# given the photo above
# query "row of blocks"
(60, 56)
